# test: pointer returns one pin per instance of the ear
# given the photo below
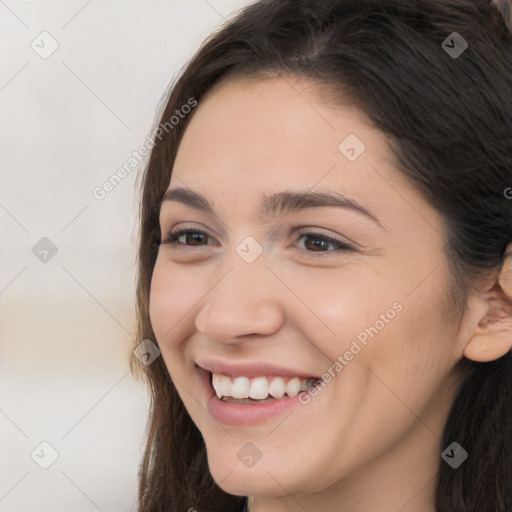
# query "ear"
(492, 338)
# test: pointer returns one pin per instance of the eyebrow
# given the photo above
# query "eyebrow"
(275, 205)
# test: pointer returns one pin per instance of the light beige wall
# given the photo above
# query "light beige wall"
(68, 121)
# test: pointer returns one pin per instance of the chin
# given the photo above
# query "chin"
(234, 478)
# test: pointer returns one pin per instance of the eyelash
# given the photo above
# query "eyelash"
(172, 239)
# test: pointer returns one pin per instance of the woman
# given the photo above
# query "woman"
(325, 263)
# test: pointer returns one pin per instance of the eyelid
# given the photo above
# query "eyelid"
(168, 218)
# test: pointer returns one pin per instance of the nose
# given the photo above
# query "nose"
(247, 300)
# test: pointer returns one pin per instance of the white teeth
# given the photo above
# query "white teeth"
(258, 388)
(293, 387)
(240, 387)
(221, 384)
(277, 387)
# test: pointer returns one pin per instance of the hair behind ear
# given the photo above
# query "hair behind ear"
(480, 421)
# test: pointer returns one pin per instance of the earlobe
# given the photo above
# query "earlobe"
(483, 348)
(492, 337)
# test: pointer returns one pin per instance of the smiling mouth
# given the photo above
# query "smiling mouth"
(242, 410)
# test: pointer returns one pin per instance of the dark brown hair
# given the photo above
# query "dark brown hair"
(449, 123)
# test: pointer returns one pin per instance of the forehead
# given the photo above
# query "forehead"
(248, 138)
(277, 128)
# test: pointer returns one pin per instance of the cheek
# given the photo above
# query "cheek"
(411, 355)
(378, 327)
(350, 306)
(171, 298)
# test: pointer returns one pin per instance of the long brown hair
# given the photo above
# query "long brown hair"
(449, 120)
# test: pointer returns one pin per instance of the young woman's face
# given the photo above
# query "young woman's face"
(247, 286)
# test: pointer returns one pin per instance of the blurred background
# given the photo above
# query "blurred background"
(80, 84)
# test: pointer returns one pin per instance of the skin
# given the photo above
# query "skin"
(370, 440)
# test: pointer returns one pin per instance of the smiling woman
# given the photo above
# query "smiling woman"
(325, 263)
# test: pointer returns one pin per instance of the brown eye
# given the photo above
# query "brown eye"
(193, 237)
(317, 242)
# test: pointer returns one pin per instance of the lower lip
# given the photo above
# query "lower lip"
(231, 413)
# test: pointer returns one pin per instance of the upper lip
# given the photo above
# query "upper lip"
(250, 369)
